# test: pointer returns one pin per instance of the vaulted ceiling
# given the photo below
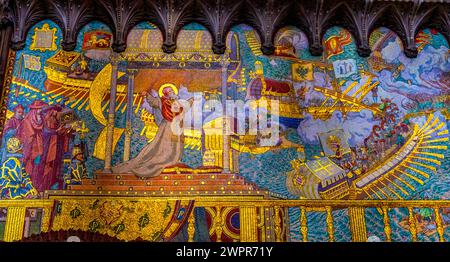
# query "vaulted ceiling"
(313, 17)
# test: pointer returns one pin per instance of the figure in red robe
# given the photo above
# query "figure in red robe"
(56, 143)
(166, 148)
(30, 134)
(169, 108)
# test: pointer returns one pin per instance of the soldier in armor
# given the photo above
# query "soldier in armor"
(77, 169)
(15, 183)
(375, 94)
(364, 160)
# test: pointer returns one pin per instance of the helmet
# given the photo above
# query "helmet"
(76, 151)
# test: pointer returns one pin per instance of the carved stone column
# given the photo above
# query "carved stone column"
(5, 36)
(7, 59)
(129, 115)
(112, 113)
(277, 224)
(234, 161)
(218, 224)
(46, 216)
(225, 132)
(15, 221)
(191, 226)
(357, 224)
(249, 224)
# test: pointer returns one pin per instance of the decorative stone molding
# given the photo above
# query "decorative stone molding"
(314, 17)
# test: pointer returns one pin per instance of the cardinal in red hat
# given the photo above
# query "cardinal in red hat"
(30, 134)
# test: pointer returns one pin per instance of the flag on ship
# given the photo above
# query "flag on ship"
(302, 72)
(32, 62)
(332, 139)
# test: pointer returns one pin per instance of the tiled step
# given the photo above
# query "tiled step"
(163, 188)
(128, 176)
(159, 182)
(253, 43)
(166, 182)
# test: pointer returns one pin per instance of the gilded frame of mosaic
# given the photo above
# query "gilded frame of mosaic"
(44, 31)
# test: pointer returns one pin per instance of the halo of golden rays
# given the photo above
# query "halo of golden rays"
(161, 88)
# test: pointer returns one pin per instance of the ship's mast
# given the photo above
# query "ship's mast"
(21, 67)
(19, 74)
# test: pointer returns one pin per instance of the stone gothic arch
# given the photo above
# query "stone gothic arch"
(360, 17)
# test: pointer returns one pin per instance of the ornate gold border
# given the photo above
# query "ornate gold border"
(45, 28)
(6, 88)
(218, 207)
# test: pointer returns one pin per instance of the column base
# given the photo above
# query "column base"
(105, 171)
